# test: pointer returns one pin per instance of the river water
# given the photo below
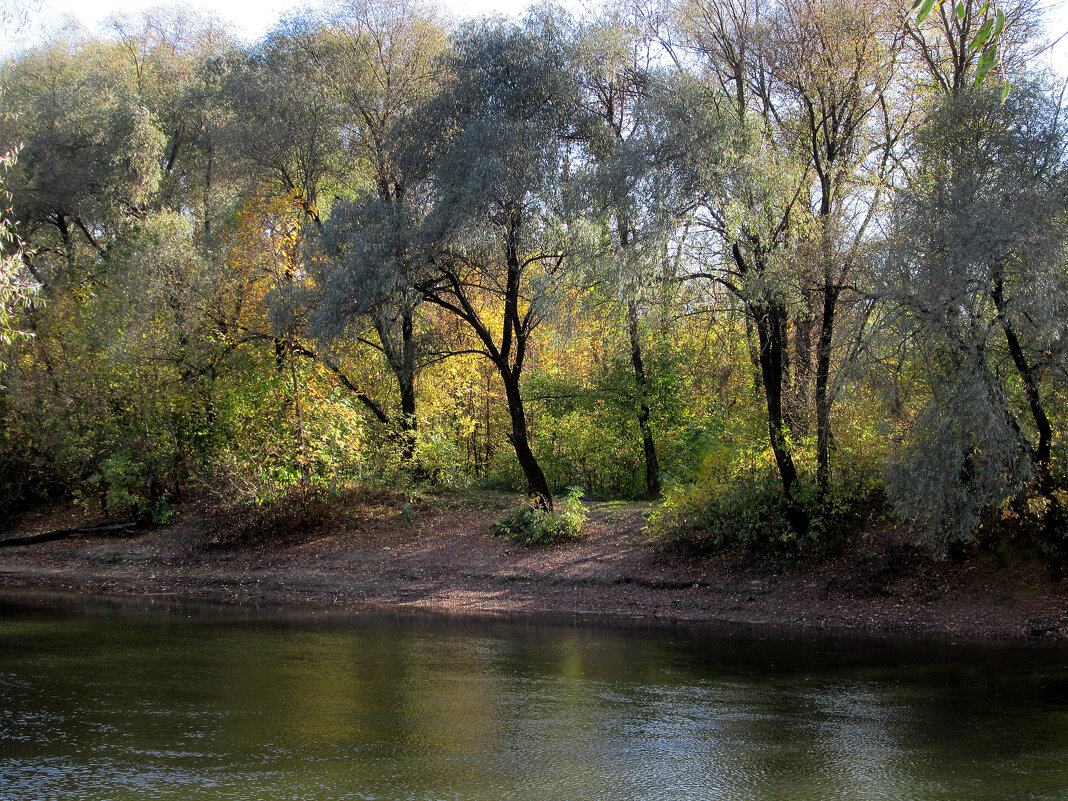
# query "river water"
(188, 703)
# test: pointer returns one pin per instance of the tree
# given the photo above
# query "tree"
(836, 62)
(747, 186)
(977, 272)
(960, 42)
(170, 53)
(379, 62)
(91, 156)
(282, 125)
(617, 60)
(495, 237)
(16, 291)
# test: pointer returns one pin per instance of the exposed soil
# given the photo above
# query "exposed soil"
(440, 555)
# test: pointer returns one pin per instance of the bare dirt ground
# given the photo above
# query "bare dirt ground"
(440, 555)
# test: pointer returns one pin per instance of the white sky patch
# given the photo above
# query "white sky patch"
(251, 19)
(248, 19)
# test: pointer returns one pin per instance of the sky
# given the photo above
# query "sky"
(250, 19)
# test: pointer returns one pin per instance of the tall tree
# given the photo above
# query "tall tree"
(835, 61)
(379, 61)
(16, 291)
(91, 156)
(617, 57)
(496, 236)
(748, 188)
(977, 269)
(172, 53)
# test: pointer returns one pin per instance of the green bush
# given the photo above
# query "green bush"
(532, 525)
(134, 487)
(737, 500)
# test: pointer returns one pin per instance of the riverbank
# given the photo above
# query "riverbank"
(440, 555)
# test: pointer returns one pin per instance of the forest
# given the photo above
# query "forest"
(782, 267)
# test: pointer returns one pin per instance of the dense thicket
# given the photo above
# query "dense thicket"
(785, 263)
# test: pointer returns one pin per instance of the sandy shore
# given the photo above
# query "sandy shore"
(445, 559)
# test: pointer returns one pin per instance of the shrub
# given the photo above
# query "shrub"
(289, 516)
(532, 525)
(737, 500)
(134, 486)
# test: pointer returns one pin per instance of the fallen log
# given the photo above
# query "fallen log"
(62, 533)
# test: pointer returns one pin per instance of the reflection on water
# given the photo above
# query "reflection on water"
(122, 706)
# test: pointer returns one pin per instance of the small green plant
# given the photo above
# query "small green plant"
(532, 525)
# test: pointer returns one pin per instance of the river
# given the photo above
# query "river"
(99, 702)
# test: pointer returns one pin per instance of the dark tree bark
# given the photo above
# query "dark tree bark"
(450, 291)
(799, 407)
(537, 486)
(652, 466)
(823, 372)
(770, 318)
(1042, 453)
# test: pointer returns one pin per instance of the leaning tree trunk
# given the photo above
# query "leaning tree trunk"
(1042, 454)
(537, 486)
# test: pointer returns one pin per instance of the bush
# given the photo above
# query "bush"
(532, 525)
(134, 486)
(737, 500)
(289, 516)
(744, 514)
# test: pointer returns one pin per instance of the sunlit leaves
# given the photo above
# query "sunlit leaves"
(985, 39)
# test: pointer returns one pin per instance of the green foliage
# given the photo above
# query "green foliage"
(17, 290)
(531, 524)
(976, 276)
(981, 28)
(529, 239)
(134, 487)
(736, 499)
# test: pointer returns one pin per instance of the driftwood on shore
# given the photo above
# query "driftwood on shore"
(59, 534)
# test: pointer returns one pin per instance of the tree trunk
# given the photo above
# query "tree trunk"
(652, 467)
(408, 422)
(302, 457)
(1043, 451)
(1041, 455)
(537, 486)
(770, 318)
(770, 321)
(823, 399)
(753, 349)
(406, 381)
(799, 408)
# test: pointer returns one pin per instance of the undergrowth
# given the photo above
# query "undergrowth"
(291, 515)
(532, 525)
(737, 501)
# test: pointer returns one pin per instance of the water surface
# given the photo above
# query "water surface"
(98, 704)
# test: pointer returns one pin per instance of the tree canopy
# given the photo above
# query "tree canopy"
(783, 264)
